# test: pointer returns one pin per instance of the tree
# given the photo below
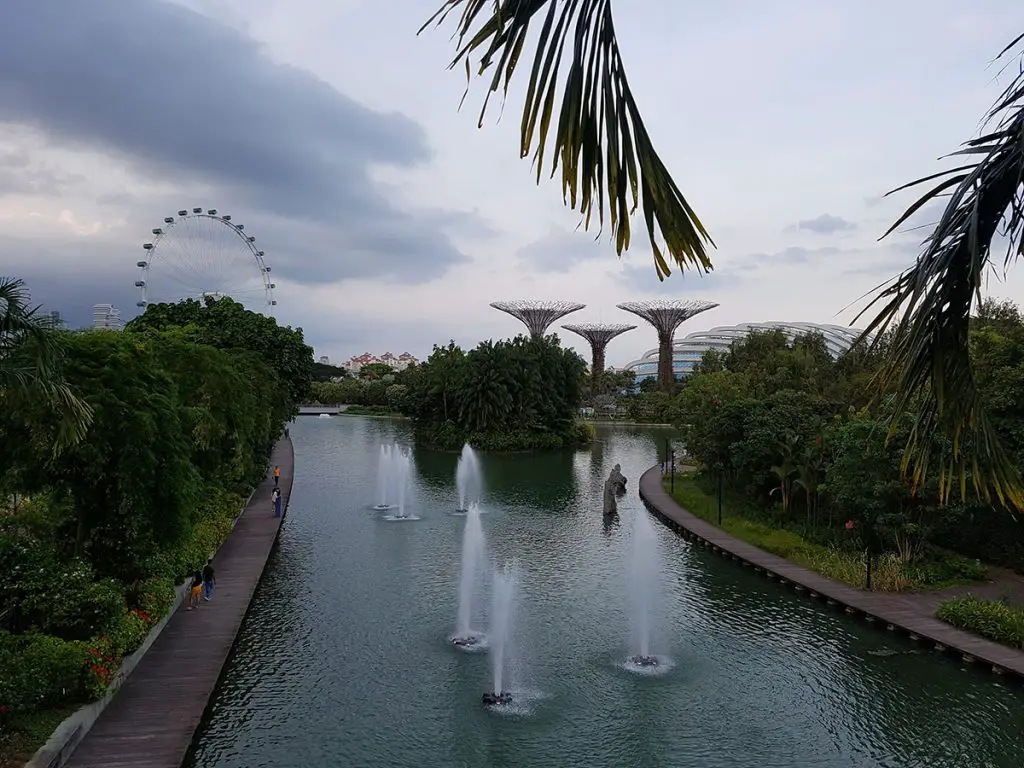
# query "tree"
(376, 371)
(226, 324)
(600, 138)
(31, 354)
(130, 477)
(929, 305)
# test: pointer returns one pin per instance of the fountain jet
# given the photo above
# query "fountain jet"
(468, 478)
(473, 548)
(502, 614)
(645, 573)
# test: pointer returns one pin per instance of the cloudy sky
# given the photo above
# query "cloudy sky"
(390, 220)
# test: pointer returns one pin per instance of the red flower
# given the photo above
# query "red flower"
(849, 525)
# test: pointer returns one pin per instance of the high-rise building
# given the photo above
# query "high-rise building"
(56, 321)
(106, 316)
(324, 360)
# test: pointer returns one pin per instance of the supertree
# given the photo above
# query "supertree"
(666, 316)
(598, 334)
(537, 315)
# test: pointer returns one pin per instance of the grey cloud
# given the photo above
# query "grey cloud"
(787, 257)
(678, 285)
(183, 97)
(560, 251)
(20, 175)
(826, 224)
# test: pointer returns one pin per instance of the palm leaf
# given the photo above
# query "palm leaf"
(599, 138)
(929, 305)
(30, 358)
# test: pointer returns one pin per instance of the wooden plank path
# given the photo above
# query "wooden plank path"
(153, 717)
(904, 612)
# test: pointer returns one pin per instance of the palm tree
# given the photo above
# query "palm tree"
(599, 139)
(605, 150)
(929, 305)
(30, 357)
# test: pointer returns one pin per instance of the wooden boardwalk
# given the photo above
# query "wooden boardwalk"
(151, 720)
(894, 612)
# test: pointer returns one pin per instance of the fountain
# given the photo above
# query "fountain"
(468, 478)
(394, 467)
(385, 476)
(645, 572)
(505, 582)
(473, 546)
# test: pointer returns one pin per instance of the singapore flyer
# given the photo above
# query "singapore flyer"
(202, 253)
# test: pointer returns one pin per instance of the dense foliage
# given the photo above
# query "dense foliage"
(514, 395)
(994, 619)
(184, 408)
(802, 440)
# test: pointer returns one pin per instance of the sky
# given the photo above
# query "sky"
(390, 220)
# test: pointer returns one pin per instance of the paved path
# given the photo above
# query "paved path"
(151, 721)
(906, 612)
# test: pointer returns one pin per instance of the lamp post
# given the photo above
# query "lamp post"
(719, 494)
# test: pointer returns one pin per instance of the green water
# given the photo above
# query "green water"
(344, 660)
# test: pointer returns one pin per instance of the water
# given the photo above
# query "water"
(502, 614)
(473, 550)
(468, 478)
(644, 581)
(344, 658)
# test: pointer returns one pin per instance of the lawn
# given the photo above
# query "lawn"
(889, 572)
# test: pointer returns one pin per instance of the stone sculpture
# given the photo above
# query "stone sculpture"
(614, 486)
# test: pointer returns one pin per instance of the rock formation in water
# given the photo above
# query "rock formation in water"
(614, 486)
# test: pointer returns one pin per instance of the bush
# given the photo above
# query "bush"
(585, 432)
(50, 596)
(994, 619)
(40, 671)
(154, 596)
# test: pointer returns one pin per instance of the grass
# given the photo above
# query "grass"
(888, 573)
(24, 733)
(993, 619)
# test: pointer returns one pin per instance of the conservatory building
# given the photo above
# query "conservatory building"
(688, 351)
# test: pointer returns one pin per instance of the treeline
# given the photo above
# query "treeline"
(175, 418)
(514, 395)
(801, 437)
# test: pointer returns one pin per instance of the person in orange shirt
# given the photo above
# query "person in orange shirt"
(277, 475)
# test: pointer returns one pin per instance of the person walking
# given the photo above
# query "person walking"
(209, 580)
(196, 590)
(276, 498)
(277, 475)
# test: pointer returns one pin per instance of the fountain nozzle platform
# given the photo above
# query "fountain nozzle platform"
(466, 642)
(644, 661)
(496, 699)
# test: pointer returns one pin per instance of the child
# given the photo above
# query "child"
(197, 590)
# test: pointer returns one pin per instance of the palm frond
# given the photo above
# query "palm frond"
(30, 365)
(929, 306)
(599, 139)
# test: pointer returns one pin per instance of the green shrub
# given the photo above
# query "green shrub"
(585, 432)
(51, 596)
(945, 569)
(40, 670)
(994, 619)
(154, 596)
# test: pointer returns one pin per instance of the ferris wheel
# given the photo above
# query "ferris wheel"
(199, 254)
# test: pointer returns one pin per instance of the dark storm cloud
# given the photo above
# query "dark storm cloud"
(186, 98)
(826, 224)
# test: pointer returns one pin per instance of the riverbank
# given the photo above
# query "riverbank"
(151, 719)
(906, 612)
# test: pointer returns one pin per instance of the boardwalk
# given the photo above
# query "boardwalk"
(906, 612)
(151, 720)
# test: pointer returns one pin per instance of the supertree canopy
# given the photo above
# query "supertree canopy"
(666, 317)
(598, 334)
(537, 315)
